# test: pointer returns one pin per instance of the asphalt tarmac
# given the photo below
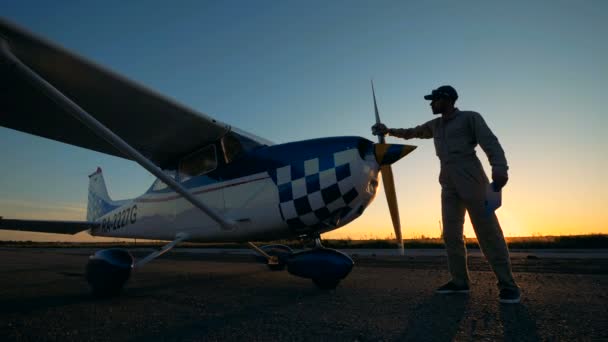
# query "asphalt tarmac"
(228, 297)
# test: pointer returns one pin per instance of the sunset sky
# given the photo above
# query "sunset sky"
(292, 70)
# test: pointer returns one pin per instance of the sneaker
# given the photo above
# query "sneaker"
(452, 288)
(510, 296)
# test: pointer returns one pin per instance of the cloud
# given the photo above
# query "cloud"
(36, 210)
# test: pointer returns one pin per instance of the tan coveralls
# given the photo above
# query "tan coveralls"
(463, 187)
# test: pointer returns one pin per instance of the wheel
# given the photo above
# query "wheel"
(326, 284)
(105, 280)
(108, 270)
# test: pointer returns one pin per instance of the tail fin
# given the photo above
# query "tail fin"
(99, 202)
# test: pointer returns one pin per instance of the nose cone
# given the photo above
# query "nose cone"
(387, 154)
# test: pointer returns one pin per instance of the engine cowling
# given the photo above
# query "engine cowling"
(108, 270)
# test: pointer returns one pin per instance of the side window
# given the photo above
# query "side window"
(159, 184)
(198, 163)
(232, 147)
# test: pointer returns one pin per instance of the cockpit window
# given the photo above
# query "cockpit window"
(198, 163)
(232, 147)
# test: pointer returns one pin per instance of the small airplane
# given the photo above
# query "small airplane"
(215, 183)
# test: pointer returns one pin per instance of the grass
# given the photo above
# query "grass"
(593, 241)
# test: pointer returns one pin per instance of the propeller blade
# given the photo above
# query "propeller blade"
(387, 154)
(380, 137)
(391, 198)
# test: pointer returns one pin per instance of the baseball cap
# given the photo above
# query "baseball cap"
(443, 91)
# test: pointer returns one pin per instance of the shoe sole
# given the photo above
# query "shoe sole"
(451, 291)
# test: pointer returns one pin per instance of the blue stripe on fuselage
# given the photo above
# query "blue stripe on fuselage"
(270, 158)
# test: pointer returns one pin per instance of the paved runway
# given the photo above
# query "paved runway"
(226, 297)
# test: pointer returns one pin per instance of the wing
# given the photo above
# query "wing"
(156, 126)
(57, 227)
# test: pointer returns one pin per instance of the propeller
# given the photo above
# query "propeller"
(386, 154)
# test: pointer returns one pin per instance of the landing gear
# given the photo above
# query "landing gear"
(108, 270)
(326, 267)
(275, 256)
(324, 283)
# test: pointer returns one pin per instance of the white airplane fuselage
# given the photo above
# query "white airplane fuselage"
(275, 192)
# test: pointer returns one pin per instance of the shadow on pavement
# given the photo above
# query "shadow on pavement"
(437, 319)
(220, 324)
(518, 323)
(31, 304)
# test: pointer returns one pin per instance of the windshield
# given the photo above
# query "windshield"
(198, 163)
(234, 145)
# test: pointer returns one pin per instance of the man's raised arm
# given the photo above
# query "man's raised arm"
(423, 131)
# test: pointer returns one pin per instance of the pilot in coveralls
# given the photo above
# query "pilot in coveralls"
(463, 187)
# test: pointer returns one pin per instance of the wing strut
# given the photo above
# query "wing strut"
(105, 133)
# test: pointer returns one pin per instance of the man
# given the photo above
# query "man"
(463, 187)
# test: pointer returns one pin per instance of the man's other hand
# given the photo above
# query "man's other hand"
(379, 129)
(499, 180)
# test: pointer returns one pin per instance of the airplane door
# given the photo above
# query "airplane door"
(192, 171)
(163, 206)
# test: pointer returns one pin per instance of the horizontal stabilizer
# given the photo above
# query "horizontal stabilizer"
(57, 227)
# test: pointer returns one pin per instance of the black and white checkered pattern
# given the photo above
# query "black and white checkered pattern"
(316, 190)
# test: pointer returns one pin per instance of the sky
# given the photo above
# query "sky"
(294, 70)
